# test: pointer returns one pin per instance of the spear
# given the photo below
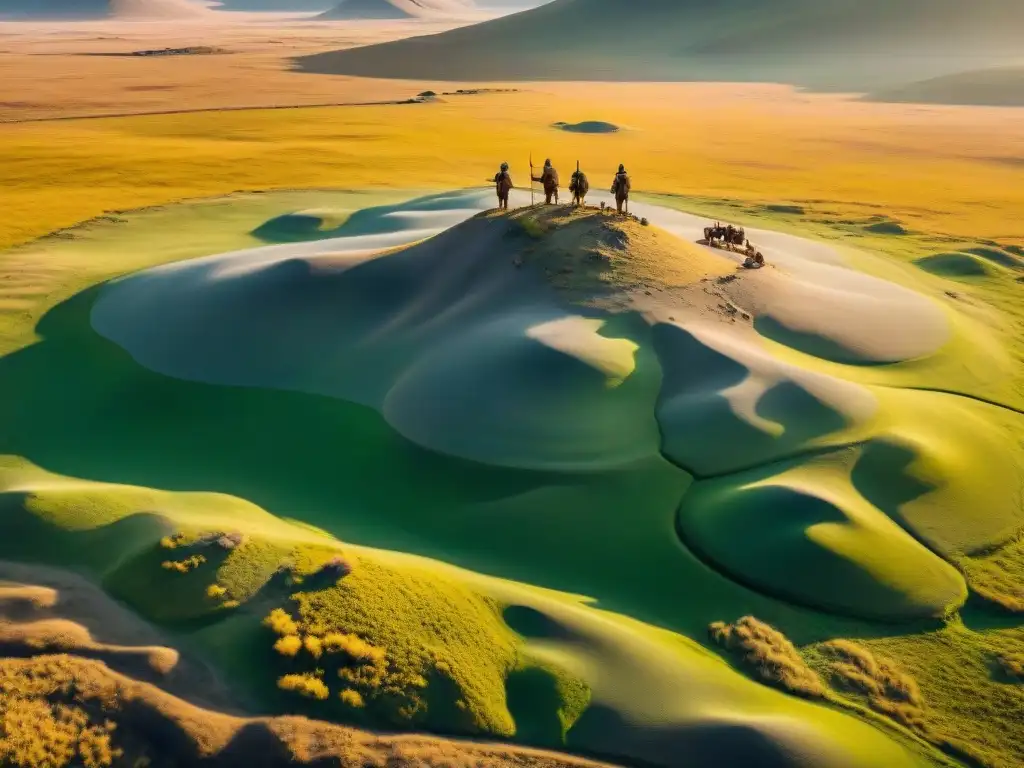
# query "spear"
(531, 179)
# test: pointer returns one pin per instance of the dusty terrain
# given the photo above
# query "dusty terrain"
(76, 69)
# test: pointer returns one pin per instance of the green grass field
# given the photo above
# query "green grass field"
(465, 619)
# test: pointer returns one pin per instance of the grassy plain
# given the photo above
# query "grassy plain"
(80, 408)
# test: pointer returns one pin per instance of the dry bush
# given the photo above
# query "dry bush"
(215, 591)
(353, 698)
(355, 647)
(1012, 665)
(36, 732)
(281, 623)
(887, 689)
(999, 576)
(184, 566)
(174, 541)
(313, 646)
(307, 685)
(769, 654)
(154, 727)
(289, 645)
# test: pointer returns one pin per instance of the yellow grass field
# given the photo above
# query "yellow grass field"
(943, 170)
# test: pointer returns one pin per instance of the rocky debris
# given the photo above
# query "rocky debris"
(192, 50)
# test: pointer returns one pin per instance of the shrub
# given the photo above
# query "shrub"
(768, 654)
(289, 645)
(313, 645)
(353, 698)
(305, 685)
(174, 541)
(355, 647)
(887, 689)
(281, 623)
(184, 566)
(215, 591)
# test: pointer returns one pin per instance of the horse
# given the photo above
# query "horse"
(729, 235)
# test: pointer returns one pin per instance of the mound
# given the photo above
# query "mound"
(794, 531)
(751, 407)
(886, 228)
(1004, 257)
(588, 126)
(843, 514)
(301, 226)
(836, 43)
(956, 265)
(1000, 87)
(395, 329)
(395, 9)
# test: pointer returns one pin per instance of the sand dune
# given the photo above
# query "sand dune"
(837, 44)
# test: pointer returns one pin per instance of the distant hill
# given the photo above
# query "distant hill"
(99, 9)
(281, 6)
(846, 44)
(1002, 87)
(396, 9)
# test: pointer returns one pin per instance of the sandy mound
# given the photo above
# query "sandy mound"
(515, 375)
(396, 9)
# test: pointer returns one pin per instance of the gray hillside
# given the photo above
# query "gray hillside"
(856, 44)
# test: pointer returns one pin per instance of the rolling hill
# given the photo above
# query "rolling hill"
(843, 44)
(1001, 87)
(396, 9)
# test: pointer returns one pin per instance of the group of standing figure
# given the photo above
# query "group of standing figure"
(579, 186)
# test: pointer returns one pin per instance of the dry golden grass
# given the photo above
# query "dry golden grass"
(306, 685)
(184, 566)
(289, 645)
(769, 655)
(253, 71)
(887, 689)
(62, 710)
(999, 576)
(942, 170)
(1012, 665)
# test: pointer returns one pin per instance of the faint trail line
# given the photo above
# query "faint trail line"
(112, 115)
